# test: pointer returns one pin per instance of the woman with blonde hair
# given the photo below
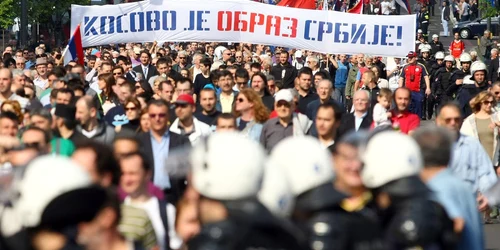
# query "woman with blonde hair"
(483, 124)
(251, 113)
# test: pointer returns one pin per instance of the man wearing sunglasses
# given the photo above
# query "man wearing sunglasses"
(469, 162)
(186, 124)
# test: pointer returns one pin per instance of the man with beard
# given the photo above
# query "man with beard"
(208, 113)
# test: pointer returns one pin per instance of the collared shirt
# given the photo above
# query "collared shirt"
(451, 192)
(145, 71)
(226, 103)
(160, 155)
(273, 132)
(472, 164)
(359, 120)
(40, 82)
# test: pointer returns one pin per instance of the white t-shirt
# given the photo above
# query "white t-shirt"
(380, 115)
(89, 134)
(152, 209)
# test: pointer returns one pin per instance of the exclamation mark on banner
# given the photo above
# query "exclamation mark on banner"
(399, 35)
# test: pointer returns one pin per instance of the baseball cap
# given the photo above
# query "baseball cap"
(283, 95)
(185, 99)
(298, 54)
(412, 54)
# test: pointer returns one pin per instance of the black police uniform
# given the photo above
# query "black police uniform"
(413, 220)
(441, 83)
(328, 226)
(249, 226)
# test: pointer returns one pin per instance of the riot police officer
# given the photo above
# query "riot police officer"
(459, 74)
(470, 86)
(410, 218)
(443, 79)
(319, 211)
(228, 180)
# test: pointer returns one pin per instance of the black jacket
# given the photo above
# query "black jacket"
(151, 71)
(348, 124)
(341, 229)
(178, 185)
(493, 71)
(289, 76)
(249, 226)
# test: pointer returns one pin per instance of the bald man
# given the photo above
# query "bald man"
(89, 125)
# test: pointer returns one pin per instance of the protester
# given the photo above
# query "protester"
(250, 114)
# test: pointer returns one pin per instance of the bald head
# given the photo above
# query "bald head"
(88, 101)
(362, 94)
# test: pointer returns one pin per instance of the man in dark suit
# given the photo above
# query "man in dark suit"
(146, 69)
(493, 68)
(158, 145)
(358, 120)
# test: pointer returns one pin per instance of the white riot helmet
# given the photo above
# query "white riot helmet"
(449, 58)
(227, 166)
(275, 193)
(477, 66)
(45, 187)
(439, 55)
(424, 49)
(404, 161)
(465, 57)
(304, 161)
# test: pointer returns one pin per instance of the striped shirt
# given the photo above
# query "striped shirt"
(135, 225)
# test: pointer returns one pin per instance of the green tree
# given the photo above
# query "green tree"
(7, 13)
(487, 10)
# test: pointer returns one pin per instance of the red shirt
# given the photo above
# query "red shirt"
(274, 114)
(407, 121)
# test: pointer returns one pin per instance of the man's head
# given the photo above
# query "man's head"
(97, 160)
(304, 77)
(65, 117)
(8, 124)
(145, 58)
(20, 63)
(324, 89)
(5, 81)
(208, 99)
(136, 173)
(166, 90)
(86, 111)
(64, 96)
(125, 143)
(241, 78)
(259, 82)
(313, 62)
(495, 90)
(368, 77)
(162, 66)
(226, 54)
(158, 116)
(184, 86)
(449, 116)
(361, 101)
(41, 67)
(38, 138)
(347, 163)
(402, 99)
(19, 80)
(205, 65)
(225, 81)
(41, 118)
(185, 107)
(283, 57)
(328, 119)
(225, 122)
(412, 57)
(435, 144)
(283, 104)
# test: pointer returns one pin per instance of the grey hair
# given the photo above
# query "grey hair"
(295, 93)
(314, 58)
(494, 50)
(45, 113)
(435, 144)
(17, 72)
(197, 55)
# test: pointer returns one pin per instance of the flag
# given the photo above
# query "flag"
(74, 49)
(357, 9)
(303, 4)
(405, 4)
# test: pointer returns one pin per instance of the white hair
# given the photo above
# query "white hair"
(494, 50)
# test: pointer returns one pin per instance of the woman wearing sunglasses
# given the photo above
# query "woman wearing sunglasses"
(484, 124)
(251, 113)
(132, 108)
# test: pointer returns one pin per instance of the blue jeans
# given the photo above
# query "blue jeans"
(339, 94)
(417, 101)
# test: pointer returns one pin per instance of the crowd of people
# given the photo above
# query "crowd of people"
(243, 146)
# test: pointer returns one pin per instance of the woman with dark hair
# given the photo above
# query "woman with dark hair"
(9, 63)
(143, 88)
(132, 108)
(107, 97)
(259, 84)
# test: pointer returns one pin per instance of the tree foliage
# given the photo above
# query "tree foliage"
(7, 13)
(42, 11)
(487, 10)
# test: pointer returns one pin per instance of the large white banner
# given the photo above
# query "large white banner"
(244, 21)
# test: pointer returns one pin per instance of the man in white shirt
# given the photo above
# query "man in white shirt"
(136, 173)
(6, 91)
(41, 70)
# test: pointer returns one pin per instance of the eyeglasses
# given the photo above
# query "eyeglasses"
(455, 119)
(181, 105)
(283, 103)
(488, 102)
(117, 74)
(130, 108)
(182, 58)
(160, 115)
(241, 100)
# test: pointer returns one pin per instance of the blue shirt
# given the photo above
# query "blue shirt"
(456, 199)
(160, 155)
(359, 120)
(341, 74)
(471, 163)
